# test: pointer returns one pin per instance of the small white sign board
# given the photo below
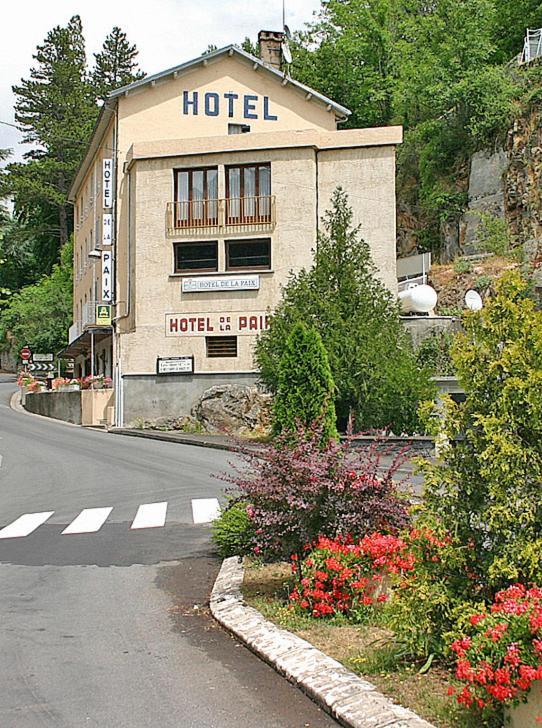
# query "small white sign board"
(175, 365)
(220, 283)
(107, 226)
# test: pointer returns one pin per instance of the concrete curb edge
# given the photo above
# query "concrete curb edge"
(167, 437)
(230, 447)
(353, 702)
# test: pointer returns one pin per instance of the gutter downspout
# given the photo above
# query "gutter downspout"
(317, 192)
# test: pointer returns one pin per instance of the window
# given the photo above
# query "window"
(221, 346)
(241, 254)
(238, 128)
(196, 197)
(248, 192)
(196, 256)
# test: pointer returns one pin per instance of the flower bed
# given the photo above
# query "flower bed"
(500, 657)
(367, 649)
(367, 582)
(340, 576)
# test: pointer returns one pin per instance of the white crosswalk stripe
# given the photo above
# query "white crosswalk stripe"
(205, 510)
(89, 520)
(150, 515)
(24, 525)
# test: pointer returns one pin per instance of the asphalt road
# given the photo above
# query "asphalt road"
(110, 628)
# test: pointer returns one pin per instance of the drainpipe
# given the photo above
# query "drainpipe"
(317, 191)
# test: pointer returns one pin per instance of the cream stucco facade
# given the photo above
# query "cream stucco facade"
(198, 206)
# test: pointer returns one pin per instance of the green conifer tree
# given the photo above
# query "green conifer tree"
(115, 65)
(305, 392)
(55, 110)
(371, 356)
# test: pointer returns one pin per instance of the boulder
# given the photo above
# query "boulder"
(234, 409)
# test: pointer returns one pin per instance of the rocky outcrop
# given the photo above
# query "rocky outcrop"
(407, 230)
(523, 190)
(486, 194)
(233, 408)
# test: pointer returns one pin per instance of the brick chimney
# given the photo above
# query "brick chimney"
(269, 42)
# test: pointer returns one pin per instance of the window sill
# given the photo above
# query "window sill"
(252, 271)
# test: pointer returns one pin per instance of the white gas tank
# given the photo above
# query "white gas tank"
(418, 299)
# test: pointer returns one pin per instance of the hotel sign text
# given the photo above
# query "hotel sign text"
(226, 283)
(246, 106)
(107, 183)
(239, 323)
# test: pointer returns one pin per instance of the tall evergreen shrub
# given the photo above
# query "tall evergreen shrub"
(376, 375)
(305, 391)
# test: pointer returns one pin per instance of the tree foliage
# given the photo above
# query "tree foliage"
(486, 486)
(371, 357)
(56, 109)
(440, 69)
(39, 315)
(115, 65)
(305, 387)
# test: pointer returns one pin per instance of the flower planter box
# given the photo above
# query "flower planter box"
(525, 715)
(94, 406)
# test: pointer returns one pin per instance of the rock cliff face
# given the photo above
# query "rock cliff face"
(505, 183)
(486, 194)
(523, 186)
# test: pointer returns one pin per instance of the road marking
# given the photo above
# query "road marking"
(150, 515)
(1, 459)
(25, 524)
(205, 510)
(89, 520)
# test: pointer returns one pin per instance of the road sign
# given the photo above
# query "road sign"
(41, 367)
(103, 315)
(26, 354)
(43, 357)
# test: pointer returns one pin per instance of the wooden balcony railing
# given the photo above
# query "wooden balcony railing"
(232, 214)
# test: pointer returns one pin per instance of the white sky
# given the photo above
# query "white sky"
(166, 32)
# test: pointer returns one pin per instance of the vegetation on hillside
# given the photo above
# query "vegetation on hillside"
(443, 70)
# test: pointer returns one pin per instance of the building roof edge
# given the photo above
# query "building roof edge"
(341, 111)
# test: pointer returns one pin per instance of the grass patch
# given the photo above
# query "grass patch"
(367, 650)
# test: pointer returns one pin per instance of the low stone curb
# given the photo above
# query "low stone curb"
(353, 702)
(200, 441)
(417, 442)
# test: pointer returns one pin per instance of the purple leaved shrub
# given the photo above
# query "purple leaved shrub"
(299, 490)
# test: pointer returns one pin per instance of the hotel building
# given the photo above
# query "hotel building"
(202, 188)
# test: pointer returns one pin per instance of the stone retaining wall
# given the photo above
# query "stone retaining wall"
(58, 405)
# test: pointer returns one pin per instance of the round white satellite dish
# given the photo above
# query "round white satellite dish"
(286, 52)
(473, 300)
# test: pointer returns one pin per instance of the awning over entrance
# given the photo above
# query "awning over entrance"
(81, 345)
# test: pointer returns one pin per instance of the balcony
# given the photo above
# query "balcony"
(219, 217)
(89, 314)
(74, 332)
